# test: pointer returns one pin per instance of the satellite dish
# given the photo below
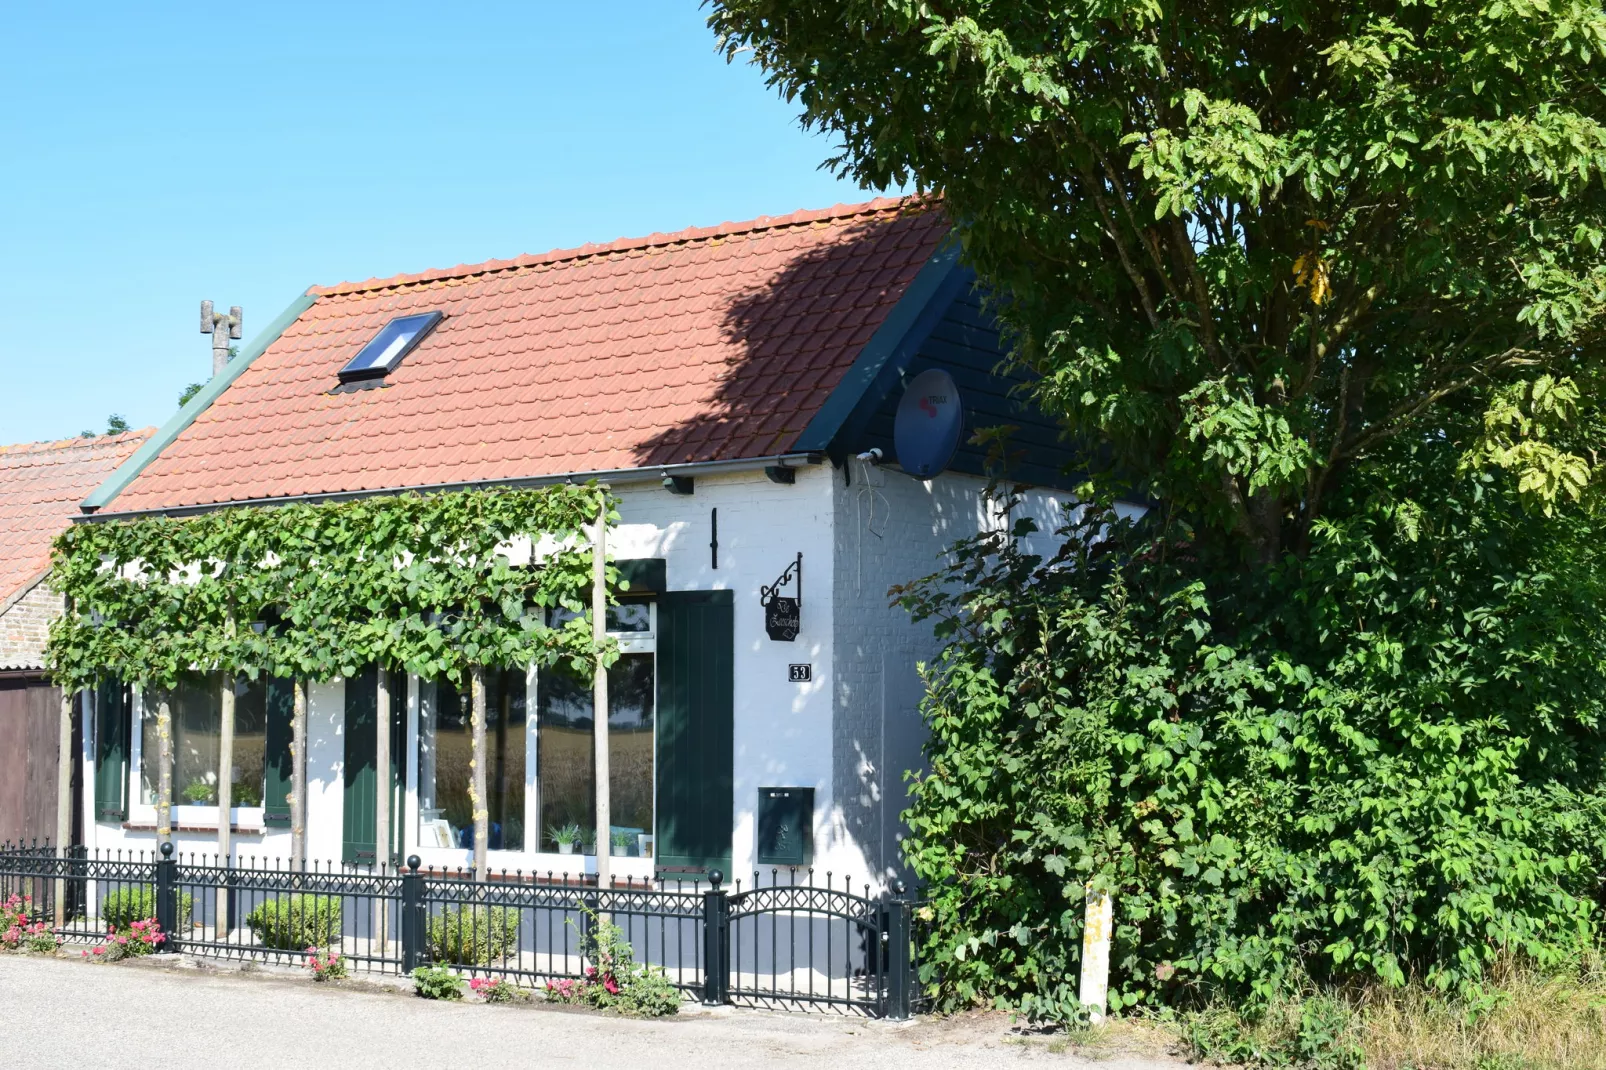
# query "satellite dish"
(926, 429)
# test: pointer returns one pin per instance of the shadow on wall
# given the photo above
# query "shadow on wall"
(790, 339)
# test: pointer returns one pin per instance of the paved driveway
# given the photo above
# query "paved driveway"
(59, 1013)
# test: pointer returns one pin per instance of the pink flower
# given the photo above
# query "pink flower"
(100, 950)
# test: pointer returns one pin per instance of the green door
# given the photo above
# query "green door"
(696, 712)
(362, 785)
(112, 731)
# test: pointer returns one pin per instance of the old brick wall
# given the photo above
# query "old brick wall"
(25, 627)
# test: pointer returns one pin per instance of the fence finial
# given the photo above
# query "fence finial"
(167, 848)
(716, 878)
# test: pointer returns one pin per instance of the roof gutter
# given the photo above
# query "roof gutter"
(649, 473)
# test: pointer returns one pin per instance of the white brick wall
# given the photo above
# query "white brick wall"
(25, 628)
(891, 529)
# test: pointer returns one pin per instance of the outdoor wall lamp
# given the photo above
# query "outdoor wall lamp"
(679, 484)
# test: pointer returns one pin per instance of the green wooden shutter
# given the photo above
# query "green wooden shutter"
(696, 713)
(280, 708)
(112, 730)
(358, 840)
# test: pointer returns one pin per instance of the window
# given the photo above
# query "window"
(565, 749)
(445, 815)
(389, 347)
(565, 752)
(196, 705)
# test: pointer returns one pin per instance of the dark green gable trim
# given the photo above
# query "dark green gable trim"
(892, 345)
(119, 480)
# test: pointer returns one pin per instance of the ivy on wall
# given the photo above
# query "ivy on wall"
(317, 591)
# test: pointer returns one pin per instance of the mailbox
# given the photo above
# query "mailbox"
(785, 826)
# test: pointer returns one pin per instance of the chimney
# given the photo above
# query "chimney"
(222, 328)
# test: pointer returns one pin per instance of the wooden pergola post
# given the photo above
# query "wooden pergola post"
(164, 772)
(298, 778)
(599, 694)
(477, 796)
(64, 767)
(225, 795)
(382, 799)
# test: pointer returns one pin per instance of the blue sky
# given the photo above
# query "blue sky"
(159, 154)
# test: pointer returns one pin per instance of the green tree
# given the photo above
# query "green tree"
(1248, 243)
(1326, 281)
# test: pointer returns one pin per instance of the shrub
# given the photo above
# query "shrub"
(472, 935)
(141, 938)
(124, 906)
(616, 982)
(330, 967)
(295, 922)
(1266, 790)
(498, 990)
(21, 931)
(437, 982)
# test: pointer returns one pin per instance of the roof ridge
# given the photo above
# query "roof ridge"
(877, 206)
(18, 448)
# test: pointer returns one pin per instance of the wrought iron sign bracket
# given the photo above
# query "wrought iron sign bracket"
(783, 614)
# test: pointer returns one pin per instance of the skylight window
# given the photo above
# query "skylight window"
(388, 348)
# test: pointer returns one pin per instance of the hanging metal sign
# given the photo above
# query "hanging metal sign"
(783, 614)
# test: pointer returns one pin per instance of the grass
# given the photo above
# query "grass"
(1525, 1021)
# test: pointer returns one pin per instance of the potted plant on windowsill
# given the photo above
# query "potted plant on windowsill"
(621, 844)
(199, 793)
(565, 836)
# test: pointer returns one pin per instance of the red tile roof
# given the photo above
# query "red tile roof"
(41, 484)
(716, 343)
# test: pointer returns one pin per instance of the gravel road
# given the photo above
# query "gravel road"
(61, 1013)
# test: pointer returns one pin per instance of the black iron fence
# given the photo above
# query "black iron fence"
(785, 941)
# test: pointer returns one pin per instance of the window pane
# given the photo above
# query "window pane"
(626, 619)
(445, 745)
(445, 817)
(250, 740)
(197, 710)
(567, 772)
(504, 768)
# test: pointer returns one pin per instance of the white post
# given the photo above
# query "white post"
(225, 794)
(599, 693)
(64, 767)
(1096, 954)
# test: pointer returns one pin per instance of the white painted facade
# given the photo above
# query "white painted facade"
(850, 733)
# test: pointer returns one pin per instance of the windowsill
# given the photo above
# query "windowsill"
(190, 826)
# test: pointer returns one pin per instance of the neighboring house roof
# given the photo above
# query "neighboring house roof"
(712, 344)
(41, 484)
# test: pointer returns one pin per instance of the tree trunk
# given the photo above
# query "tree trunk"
(599, 697)
(382, 802)
(298, 779)
(64, 767)
(476, 793)
(164, 772)
(225, 794)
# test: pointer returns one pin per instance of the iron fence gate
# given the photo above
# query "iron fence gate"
(784, 942)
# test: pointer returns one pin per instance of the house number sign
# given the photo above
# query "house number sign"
(783, 614)
(800, 674)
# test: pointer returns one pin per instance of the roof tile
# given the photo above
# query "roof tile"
(715, 343)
